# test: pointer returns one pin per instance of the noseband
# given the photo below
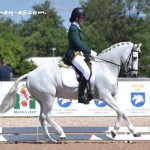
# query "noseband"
(127, 62)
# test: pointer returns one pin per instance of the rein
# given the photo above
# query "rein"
(106, 61)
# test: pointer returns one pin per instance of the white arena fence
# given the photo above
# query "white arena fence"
(35, 134)
(133, 97)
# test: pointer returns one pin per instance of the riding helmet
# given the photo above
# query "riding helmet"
(76, 13)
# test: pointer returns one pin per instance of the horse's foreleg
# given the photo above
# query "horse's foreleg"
(130, 126)
(112, 103)
(118, 121)
(127, 121)
(117, 125)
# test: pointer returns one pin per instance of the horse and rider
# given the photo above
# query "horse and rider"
(45, 83)
(76, 51)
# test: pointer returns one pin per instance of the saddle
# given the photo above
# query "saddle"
(65, 63)
(73, 71)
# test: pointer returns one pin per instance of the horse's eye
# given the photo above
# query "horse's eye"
(134, 58)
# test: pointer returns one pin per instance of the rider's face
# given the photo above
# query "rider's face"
(81, 20)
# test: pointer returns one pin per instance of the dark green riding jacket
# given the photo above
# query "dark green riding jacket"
(75, 38)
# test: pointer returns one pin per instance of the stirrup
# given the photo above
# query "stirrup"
(81, 99)
(90, 95)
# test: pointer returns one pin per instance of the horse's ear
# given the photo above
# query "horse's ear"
(138, 46)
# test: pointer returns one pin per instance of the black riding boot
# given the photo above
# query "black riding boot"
(81, 96)
(89, 93)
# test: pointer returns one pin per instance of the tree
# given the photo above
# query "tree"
(11, 47)
(10, 43)
(34, 37)
(113, 21)
(144, 37)
(42, 32)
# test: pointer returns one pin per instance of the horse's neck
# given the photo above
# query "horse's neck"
(116, 53)
(113, 57)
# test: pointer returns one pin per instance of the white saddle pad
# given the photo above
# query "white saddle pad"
(69, 76)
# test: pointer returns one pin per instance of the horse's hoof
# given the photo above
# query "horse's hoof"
(113, 134)
(137, 135)
(62, 140)
(52, 141)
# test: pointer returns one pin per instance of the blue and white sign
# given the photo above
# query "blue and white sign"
(64, 102)
(133, 97)
(99, 103)
(138, 99)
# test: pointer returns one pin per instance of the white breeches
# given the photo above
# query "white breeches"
(80, 64)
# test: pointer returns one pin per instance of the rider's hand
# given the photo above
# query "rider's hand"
(93, 53)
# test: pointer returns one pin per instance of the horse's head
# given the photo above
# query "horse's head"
(134, 97)
(131, 62)
(138, 99)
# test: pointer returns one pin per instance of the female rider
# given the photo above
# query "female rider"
(76, 50)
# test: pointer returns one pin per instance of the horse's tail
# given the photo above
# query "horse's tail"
(9, 100)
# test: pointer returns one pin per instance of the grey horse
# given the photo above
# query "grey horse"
(45, 83)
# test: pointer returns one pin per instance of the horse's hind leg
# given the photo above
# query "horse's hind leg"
(58, 129)
(47, 107)
(42, 119)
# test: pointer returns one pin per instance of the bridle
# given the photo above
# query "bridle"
(126, 63)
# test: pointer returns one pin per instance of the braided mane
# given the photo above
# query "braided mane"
(114, 46)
